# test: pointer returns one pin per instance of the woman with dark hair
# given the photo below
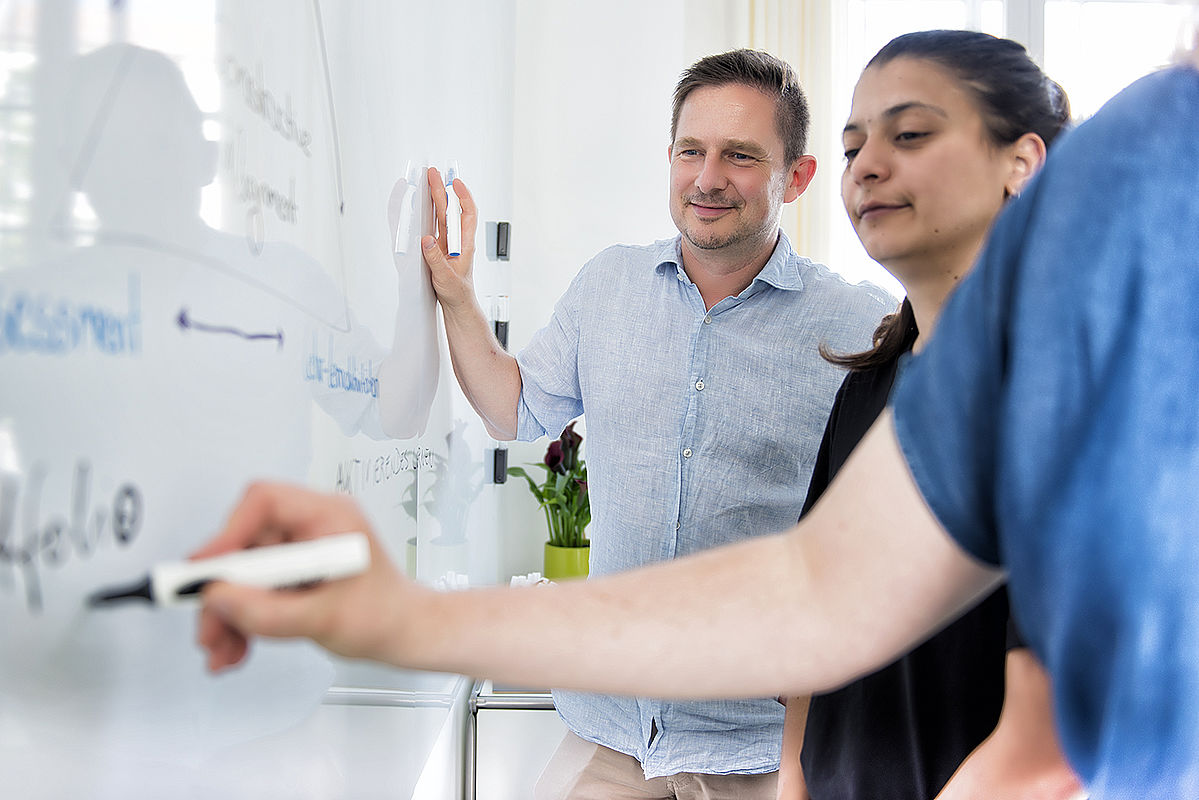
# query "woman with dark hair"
(944, 127)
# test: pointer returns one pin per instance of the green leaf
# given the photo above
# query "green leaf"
(533, 487)
(567, 510)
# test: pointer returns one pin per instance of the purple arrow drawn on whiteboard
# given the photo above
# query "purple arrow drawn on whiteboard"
(187, 323)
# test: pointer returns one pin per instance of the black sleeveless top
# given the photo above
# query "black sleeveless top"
(901, 732)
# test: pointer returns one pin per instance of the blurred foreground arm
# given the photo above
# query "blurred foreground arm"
(867, 574)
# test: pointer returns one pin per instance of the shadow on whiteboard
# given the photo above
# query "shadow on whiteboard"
(133, 144)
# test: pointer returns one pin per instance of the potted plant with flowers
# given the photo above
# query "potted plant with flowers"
(562, 495)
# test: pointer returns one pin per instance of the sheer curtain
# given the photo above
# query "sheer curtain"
(807, 34)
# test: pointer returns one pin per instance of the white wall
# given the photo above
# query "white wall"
(593, 90)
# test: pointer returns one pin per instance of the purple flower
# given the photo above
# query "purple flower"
(554, 458)
(571, 442)
(563, 494)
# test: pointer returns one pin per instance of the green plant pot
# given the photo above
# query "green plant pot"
(564, 563)
(410, 557)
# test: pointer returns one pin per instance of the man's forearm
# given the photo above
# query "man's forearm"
(487, 374)
(489, 377)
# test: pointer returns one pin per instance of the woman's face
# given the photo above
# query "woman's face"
(922, 179)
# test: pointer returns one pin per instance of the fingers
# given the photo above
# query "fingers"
(225, 645)
(252, 611)
(232, 614)
(437, 194)
(451, 276)
(354, 616)
(340, 614)
(268, 513)
(470, 218)
(470, 214)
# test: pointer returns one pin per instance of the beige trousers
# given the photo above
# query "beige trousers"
(581, 770)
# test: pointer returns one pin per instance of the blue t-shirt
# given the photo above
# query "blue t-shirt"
(1052, 426)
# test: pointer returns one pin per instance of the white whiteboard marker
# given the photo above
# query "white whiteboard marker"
(280, 566)
(453, 213)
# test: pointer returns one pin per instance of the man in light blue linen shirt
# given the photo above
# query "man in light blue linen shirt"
(696, 362)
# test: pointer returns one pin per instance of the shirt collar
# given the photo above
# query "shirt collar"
(781, 270)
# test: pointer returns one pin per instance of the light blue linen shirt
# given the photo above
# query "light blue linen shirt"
(702, 428)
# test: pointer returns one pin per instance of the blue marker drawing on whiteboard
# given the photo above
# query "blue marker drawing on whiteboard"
(453, 213)
(279, 566)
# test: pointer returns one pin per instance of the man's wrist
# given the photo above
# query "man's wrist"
(463, 307)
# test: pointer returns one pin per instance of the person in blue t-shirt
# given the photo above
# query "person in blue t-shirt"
(1048, 433)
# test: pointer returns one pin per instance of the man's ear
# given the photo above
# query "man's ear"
(803, 169)
(1027, 157)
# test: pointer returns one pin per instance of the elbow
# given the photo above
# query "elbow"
(499, 433)
(501, 427)
(1058, 782)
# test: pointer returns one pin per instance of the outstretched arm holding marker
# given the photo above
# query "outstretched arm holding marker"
(488, 375)
(616, 634)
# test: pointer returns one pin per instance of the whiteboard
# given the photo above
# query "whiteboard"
(210, 274)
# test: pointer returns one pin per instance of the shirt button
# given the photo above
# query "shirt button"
(707, 320)
(686, 452)
(699, 385)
